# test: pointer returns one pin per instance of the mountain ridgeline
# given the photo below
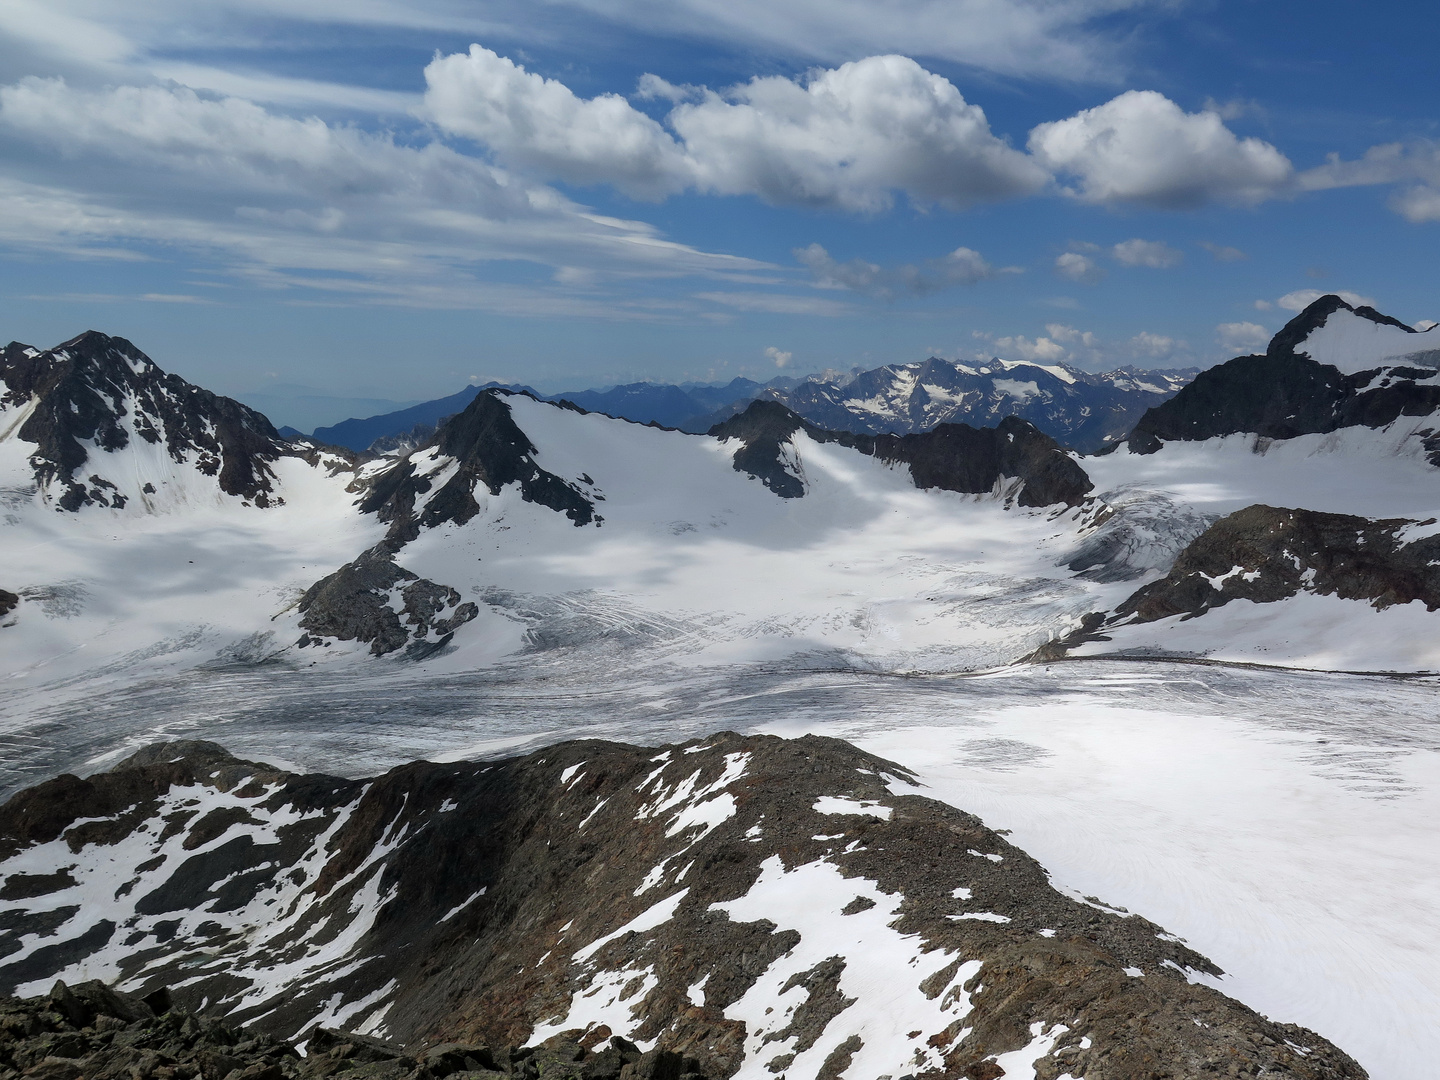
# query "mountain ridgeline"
(1082, 410)
(1303, 387)
(951, 457)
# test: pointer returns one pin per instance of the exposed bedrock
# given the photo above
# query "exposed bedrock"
(752, 902)
(1284, 393)
(373, 599)
(1264, 554)
(953, 457)
(91, 1031)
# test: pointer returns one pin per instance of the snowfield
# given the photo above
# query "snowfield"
(1353, 343)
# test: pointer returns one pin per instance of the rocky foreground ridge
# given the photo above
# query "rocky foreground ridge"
(753, 906)
(94, 1032)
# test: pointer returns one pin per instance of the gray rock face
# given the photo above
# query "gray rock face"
(733, 899)
(952, 457)
(489, 449)
(355, 603)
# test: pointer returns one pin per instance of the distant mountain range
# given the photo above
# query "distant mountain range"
(1080, 409)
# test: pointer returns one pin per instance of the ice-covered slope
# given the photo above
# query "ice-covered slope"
(1357, 339)
(148, 522)
(524, 525)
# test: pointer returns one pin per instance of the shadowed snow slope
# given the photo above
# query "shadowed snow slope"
(764, 906)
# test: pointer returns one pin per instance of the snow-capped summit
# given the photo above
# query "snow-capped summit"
(1333, 366)
(1078, 408)
(1354, 339)
(94, 422)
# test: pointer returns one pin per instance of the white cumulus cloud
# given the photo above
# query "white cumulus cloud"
(1151, 253)
(1153, 345)
(1078, 267)
(848, 137)
(1143, 148)
(781, 357)
(1242, 337)
(1043, 349)
(540, 125)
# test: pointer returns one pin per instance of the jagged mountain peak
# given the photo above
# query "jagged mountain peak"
(94, 397)
(1332, 366)
(1352, 338)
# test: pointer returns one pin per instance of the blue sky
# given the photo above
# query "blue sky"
(386, 199)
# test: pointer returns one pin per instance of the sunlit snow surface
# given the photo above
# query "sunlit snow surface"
(1281, 822)
(1352, 342)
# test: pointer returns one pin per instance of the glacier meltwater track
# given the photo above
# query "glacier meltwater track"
(1281, 822)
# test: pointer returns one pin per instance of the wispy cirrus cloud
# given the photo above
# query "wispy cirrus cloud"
(305, 204)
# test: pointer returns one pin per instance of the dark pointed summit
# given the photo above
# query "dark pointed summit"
(1315, 315)
(489, 449)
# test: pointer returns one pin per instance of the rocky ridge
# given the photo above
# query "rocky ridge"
(104, 392)
(374, 599)
(952, 457)
(91, 1031)
(760, 906)
(1266, 554)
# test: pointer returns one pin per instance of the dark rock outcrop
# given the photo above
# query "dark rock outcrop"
(592, 890)
(1284, 393)
(353, 604)
(1265, 554)
(8, 602)
(91, 1031)
(487, 448)
(764, 430)
(952, 457)
(104, 390)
